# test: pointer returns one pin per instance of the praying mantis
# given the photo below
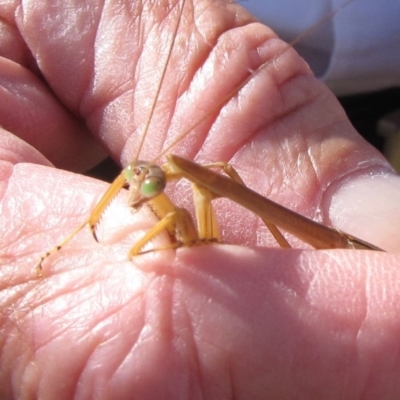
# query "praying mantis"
(146, 182)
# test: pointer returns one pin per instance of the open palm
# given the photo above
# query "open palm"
(213, 322)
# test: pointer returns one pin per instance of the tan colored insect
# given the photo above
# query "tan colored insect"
(147, 181)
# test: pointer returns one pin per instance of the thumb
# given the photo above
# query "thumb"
(368, 208)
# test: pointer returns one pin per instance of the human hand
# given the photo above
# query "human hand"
(212, 321)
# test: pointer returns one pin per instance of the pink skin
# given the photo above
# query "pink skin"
(212, 322)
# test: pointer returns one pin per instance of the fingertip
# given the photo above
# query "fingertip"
(368, 207)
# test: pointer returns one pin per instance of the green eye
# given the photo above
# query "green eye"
(128, 173)
(151, 187)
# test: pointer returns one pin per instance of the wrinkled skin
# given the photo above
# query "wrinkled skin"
(208, 322)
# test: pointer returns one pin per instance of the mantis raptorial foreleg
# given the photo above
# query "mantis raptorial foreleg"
(146, 184)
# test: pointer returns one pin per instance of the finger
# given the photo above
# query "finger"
(286, 309)
(204, 311)
(31, 111)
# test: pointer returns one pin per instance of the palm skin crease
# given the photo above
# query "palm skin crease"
(243, 321)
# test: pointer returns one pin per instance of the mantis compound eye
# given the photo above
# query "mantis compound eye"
(152, 186)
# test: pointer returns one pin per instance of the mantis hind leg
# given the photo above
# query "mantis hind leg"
(233, 174)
